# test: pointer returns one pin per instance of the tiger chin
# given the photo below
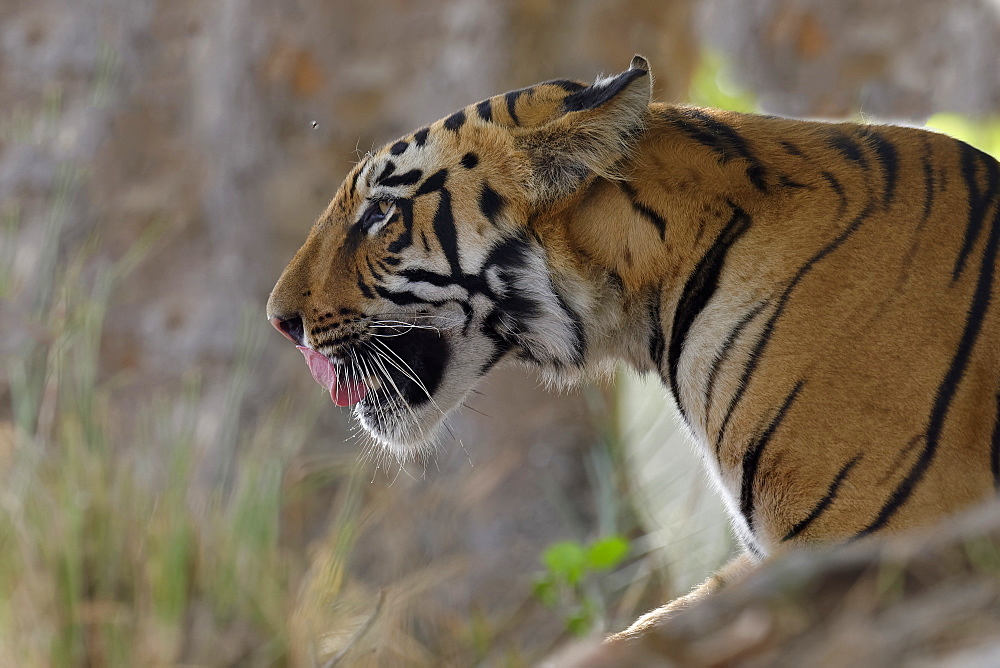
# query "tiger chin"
(819, 299)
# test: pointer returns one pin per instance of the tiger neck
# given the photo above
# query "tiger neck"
(634, 242)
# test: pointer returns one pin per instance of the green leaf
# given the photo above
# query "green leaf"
(579, 623)
(607, 553)
(566, 560)
(545, 590)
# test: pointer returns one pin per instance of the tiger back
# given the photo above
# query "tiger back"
(819, 299)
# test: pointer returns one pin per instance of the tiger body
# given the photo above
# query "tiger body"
(818, 298)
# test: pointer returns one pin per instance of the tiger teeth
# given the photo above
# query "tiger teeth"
(374, 384)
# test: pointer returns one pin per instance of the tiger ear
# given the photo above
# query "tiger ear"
(591, 131)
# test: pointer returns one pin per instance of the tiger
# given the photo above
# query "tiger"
(818, 298)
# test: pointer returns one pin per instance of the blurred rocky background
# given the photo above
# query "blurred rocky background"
(160, 162)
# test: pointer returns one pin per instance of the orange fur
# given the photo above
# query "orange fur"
(820, 299)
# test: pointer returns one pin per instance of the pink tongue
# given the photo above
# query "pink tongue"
(343, 393)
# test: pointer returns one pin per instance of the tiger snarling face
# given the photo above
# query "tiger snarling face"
(426, 270)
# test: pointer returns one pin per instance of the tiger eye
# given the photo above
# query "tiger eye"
(384, 206)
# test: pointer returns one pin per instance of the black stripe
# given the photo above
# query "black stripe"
(447, 235)
(995, 450)
(751, 457)
(789, 182)
(723, 355)
(387, 171)
(792, 148)
(567, 85)
(949, 384)
(364, 287)
(885, 153)
(698, 291)
(723, 140)
(579, 334)
(491, 203)
(404, 179)
(765, 336)
(837, 188)
(501, 348)
(657, 342)
(405, 238)
(928, 183)
(470, 160)
(511, 99)
(399, 147)
(471, 283)
(455, 121)
(404, 298)
(429, 277)
(646, 212)
(375, 273)
(485, 110)
(848, 148)
(978, 201)
(420, 136)
(594, 96)
(824, 503)
(433, 183)
(755, 170)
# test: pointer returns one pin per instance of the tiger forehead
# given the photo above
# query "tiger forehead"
(474, 126)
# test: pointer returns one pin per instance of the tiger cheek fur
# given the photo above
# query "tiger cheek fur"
(818, 298)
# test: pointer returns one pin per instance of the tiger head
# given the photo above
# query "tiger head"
(430, 265)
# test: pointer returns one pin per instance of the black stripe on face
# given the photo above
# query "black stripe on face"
(447, 235)
(595, 95)
(365, 290)
(455, 121)
(978, 201)
(649, 214)
(949, 384)
(765, 336)
(398, 148)
(433, 183)
(491, 203)
(404, 179)
(405, 237)
(699, 290)
(751, 457)
(485, 110)
(420, 136)
(824, 503)
(723, 354)
(995, 448)
(848, 148)
(470, 160)
(885, 153)
(387, 171)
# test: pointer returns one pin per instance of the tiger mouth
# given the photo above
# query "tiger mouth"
(405, 368)
(383, 374)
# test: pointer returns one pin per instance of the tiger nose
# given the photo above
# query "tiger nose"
(290, 327)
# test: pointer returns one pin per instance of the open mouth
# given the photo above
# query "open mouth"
(383, 371)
